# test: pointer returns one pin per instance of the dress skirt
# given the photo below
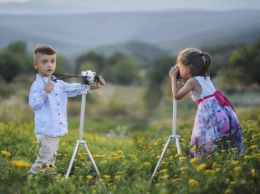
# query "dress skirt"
(216, 127)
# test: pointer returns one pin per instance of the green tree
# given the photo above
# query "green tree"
(121, 69)
(97, 61)
(14, 60)
(244, 65)
(156, 76)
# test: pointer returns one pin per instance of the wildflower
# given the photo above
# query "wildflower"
(109, 184)
(147, 164)
(177, 155)
(234, 162)
(20, 163)
(117, 177)
(120, 152)
(183, 168)
(166, 176)
(233, 182)
(208, 171)
(234, 149)
(89, 177)
(228, 191)
(163, 170)
(202, 144)
(223, 151)
(219, 139)
(253, 172)
(202, 166)
(175, 180)
(208, 157)
(106, 176)
(194, 160)
(237, 169)
(193, 181)
(253, 147)
(5, 153)
(194, 147)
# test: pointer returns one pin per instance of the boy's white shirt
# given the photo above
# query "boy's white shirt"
(50, 109)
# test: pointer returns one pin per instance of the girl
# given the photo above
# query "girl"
(215, 122)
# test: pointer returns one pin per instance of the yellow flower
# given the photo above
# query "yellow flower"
(253, 146)
(20, 163)
(193, 181)
(253, 172)
(183, 168)
(194, 147)
(163, 170)
(106, 176)
(177, 155)
(202, 144)
(237, 169)
(234, 162)
(223, 151)
(202, 166)
(89, 177)
(5, 153)
(228, 191)
(194, 160)
(120, 152)
(175, 180)
(166, 176)
(208, 171)
(233, 182)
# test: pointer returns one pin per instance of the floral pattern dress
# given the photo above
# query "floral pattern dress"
(216, 127)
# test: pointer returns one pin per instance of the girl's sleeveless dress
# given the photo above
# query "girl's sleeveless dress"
(216, 127)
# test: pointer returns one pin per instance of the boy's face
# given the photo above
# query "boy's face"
(45, 64)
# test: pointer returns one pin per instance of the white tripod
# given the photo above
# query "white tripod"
(171, 137)
(80, 141)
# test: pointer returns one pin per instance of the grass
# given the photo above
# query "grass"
(126, 147)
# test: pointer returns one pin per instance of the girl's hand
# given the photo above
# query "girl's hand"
(174, 72)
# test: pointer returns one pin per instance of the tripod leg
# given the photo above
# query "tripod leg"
(72, 159)
(91, 159)
(161, 158)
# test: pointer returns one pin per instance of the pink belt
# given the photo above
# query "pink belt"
(220, 98)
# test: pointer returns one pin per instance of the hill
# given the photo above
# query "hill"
(169, 31)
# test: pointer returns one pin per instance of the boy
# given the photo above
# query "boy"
(48, 98)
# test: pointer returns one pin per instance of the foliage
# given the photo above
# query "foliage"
(126, 164)
(156, 76)
(117, 68)
(13, 60)
(245, 65)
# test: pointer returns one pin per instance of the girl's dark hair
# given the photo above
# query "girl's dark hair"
(44, 49)
(198, 61)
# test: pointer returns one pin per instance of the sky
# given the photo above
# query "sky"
(132, 5)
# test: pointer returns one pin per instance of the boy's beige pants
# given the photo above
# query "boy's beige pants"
(48, 147)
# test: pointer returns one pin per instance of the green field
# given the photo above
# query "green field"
(126, 148)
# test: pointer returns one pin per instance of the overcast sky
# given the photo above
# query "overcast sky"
(136, 5)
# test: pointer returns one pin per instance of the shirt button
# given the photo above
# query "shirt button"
(60, 123)
(58, 103)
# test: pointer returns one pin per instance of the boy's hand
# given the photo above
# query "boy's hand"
(49, 86)
(102, 81)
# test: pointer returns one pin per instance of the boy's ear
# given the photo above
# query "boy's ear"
(34, 65)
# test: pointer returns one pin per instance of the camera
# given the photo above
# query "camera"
(90, 78)
(178, 74)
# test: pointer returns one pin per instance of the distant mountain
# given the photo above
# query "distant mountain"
(142, 53)
(167, 31)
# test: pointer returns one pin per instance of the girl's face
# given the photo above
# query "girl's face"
(45, 64)
(185, 71)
